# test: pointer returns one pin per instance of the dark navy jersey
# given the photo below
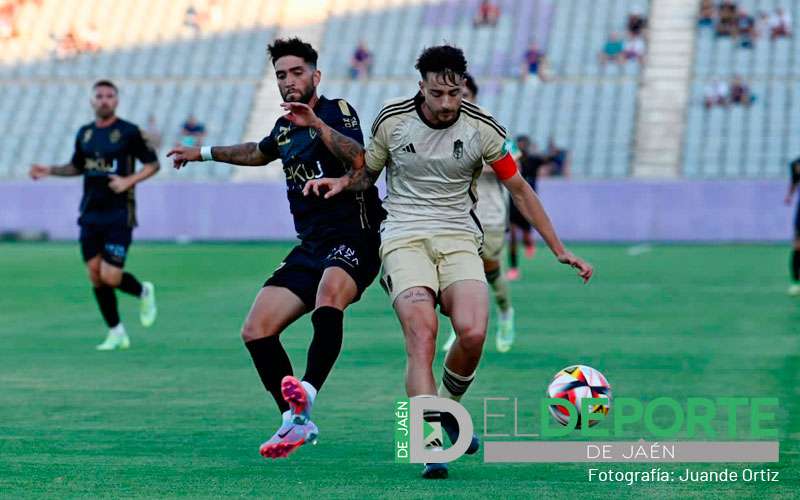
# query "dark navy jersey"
(305, 157)
(104, 151)
(795, 171)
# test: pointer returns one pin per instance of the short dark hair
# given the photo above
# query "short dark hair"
(442, 59)
(293, 47)
(470, 83)
(105, 83)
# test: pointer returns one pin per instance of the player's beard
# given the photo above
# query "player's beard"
(104, 113)
(305, 97)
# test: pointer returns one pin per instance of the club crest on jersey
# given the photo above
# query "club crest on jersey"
(312, 132)
(114, 136)
(87, 136)
(458, 149)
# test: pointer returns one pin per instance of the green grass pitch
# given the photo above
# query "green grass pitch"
(182, 413)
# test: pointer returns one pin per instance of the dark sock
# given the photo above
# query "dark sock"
(796, 265)
(107, 301)
(272, 364)
(325, 345)
(130, 285)
(512, 256)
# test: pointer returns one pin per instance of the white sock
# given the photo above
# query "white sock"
(144, 292)
(311, 391)
(286, 416)
(505, 315)
(118, 331)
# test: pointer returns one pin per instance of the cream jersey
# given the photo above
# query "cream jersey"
(492, 209)
(432, 171)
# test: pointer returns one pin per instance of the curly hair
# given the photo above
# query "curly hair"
(446, 60)
(292, 47)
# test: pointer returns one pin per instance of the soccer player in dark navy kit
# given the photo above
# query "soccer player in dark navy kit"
(794, 288)
(105, 155)
(337, 257)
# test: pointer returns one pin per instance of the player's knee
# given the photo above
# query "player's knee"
(110, 278)
(797, 243)
(471, 335)
(254, 330)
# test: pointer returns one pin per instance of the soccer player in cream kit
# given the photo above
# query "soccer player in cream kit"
(433, 146)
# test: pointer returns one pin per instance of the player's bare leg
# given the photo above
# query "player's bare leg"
(468, 307)
(416, 311)
(467, 304)
(794, 288)
(505, 313)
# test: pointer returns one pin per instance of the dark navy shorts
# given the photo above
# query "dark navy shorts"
(301, 270)
(797, 221)
(111, 240)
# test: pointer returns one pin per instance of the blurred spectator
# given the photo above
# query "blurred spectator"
(726, 18)
(636, 23)
(535, 61)
(716, 94)
(89, 40)
(613, 49)
(634, 49)
(780, 24)
(707, 13)
(558, 158)
(194, 19)
(8, 19)
(487, 15)
(740, 92)
(152, 133)
(361, 63)
(192, 133)
(76, 42)
(745, 29)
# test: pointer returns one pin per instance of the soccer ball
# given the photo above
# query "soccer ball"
(575, 383)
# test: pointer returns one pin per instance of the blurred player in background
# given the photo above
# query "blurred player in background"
(530, 163)
(434, 146)
(492, 211)
(794, 288)
(105, 155)
(337, 258)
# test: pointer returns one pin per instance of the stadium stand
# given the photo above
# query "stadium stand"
(216, 70)
(166, 70)
(751, 141)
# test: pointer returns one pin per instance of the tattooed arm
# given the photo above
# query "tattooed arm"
(39, 171)
(247, 154)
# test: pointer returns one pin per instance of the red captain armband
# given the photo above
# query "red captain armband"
(505, 167)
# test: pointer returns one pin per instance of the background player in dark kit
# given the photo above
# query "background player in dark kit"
(794, 288)
(337, 257)
(105, 155)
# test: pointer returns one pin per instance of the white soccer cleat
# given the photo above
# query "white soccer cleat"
(116, 339)
(450, 341)
(794, 290)
(505, 331)
(147, 304)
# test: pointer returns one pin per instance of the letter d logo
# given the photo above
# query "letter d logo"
(418, 453)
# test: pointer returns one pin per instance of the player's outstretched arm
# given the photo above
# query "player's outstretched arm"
(528, 203)
(247, 154)
(37, 171)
